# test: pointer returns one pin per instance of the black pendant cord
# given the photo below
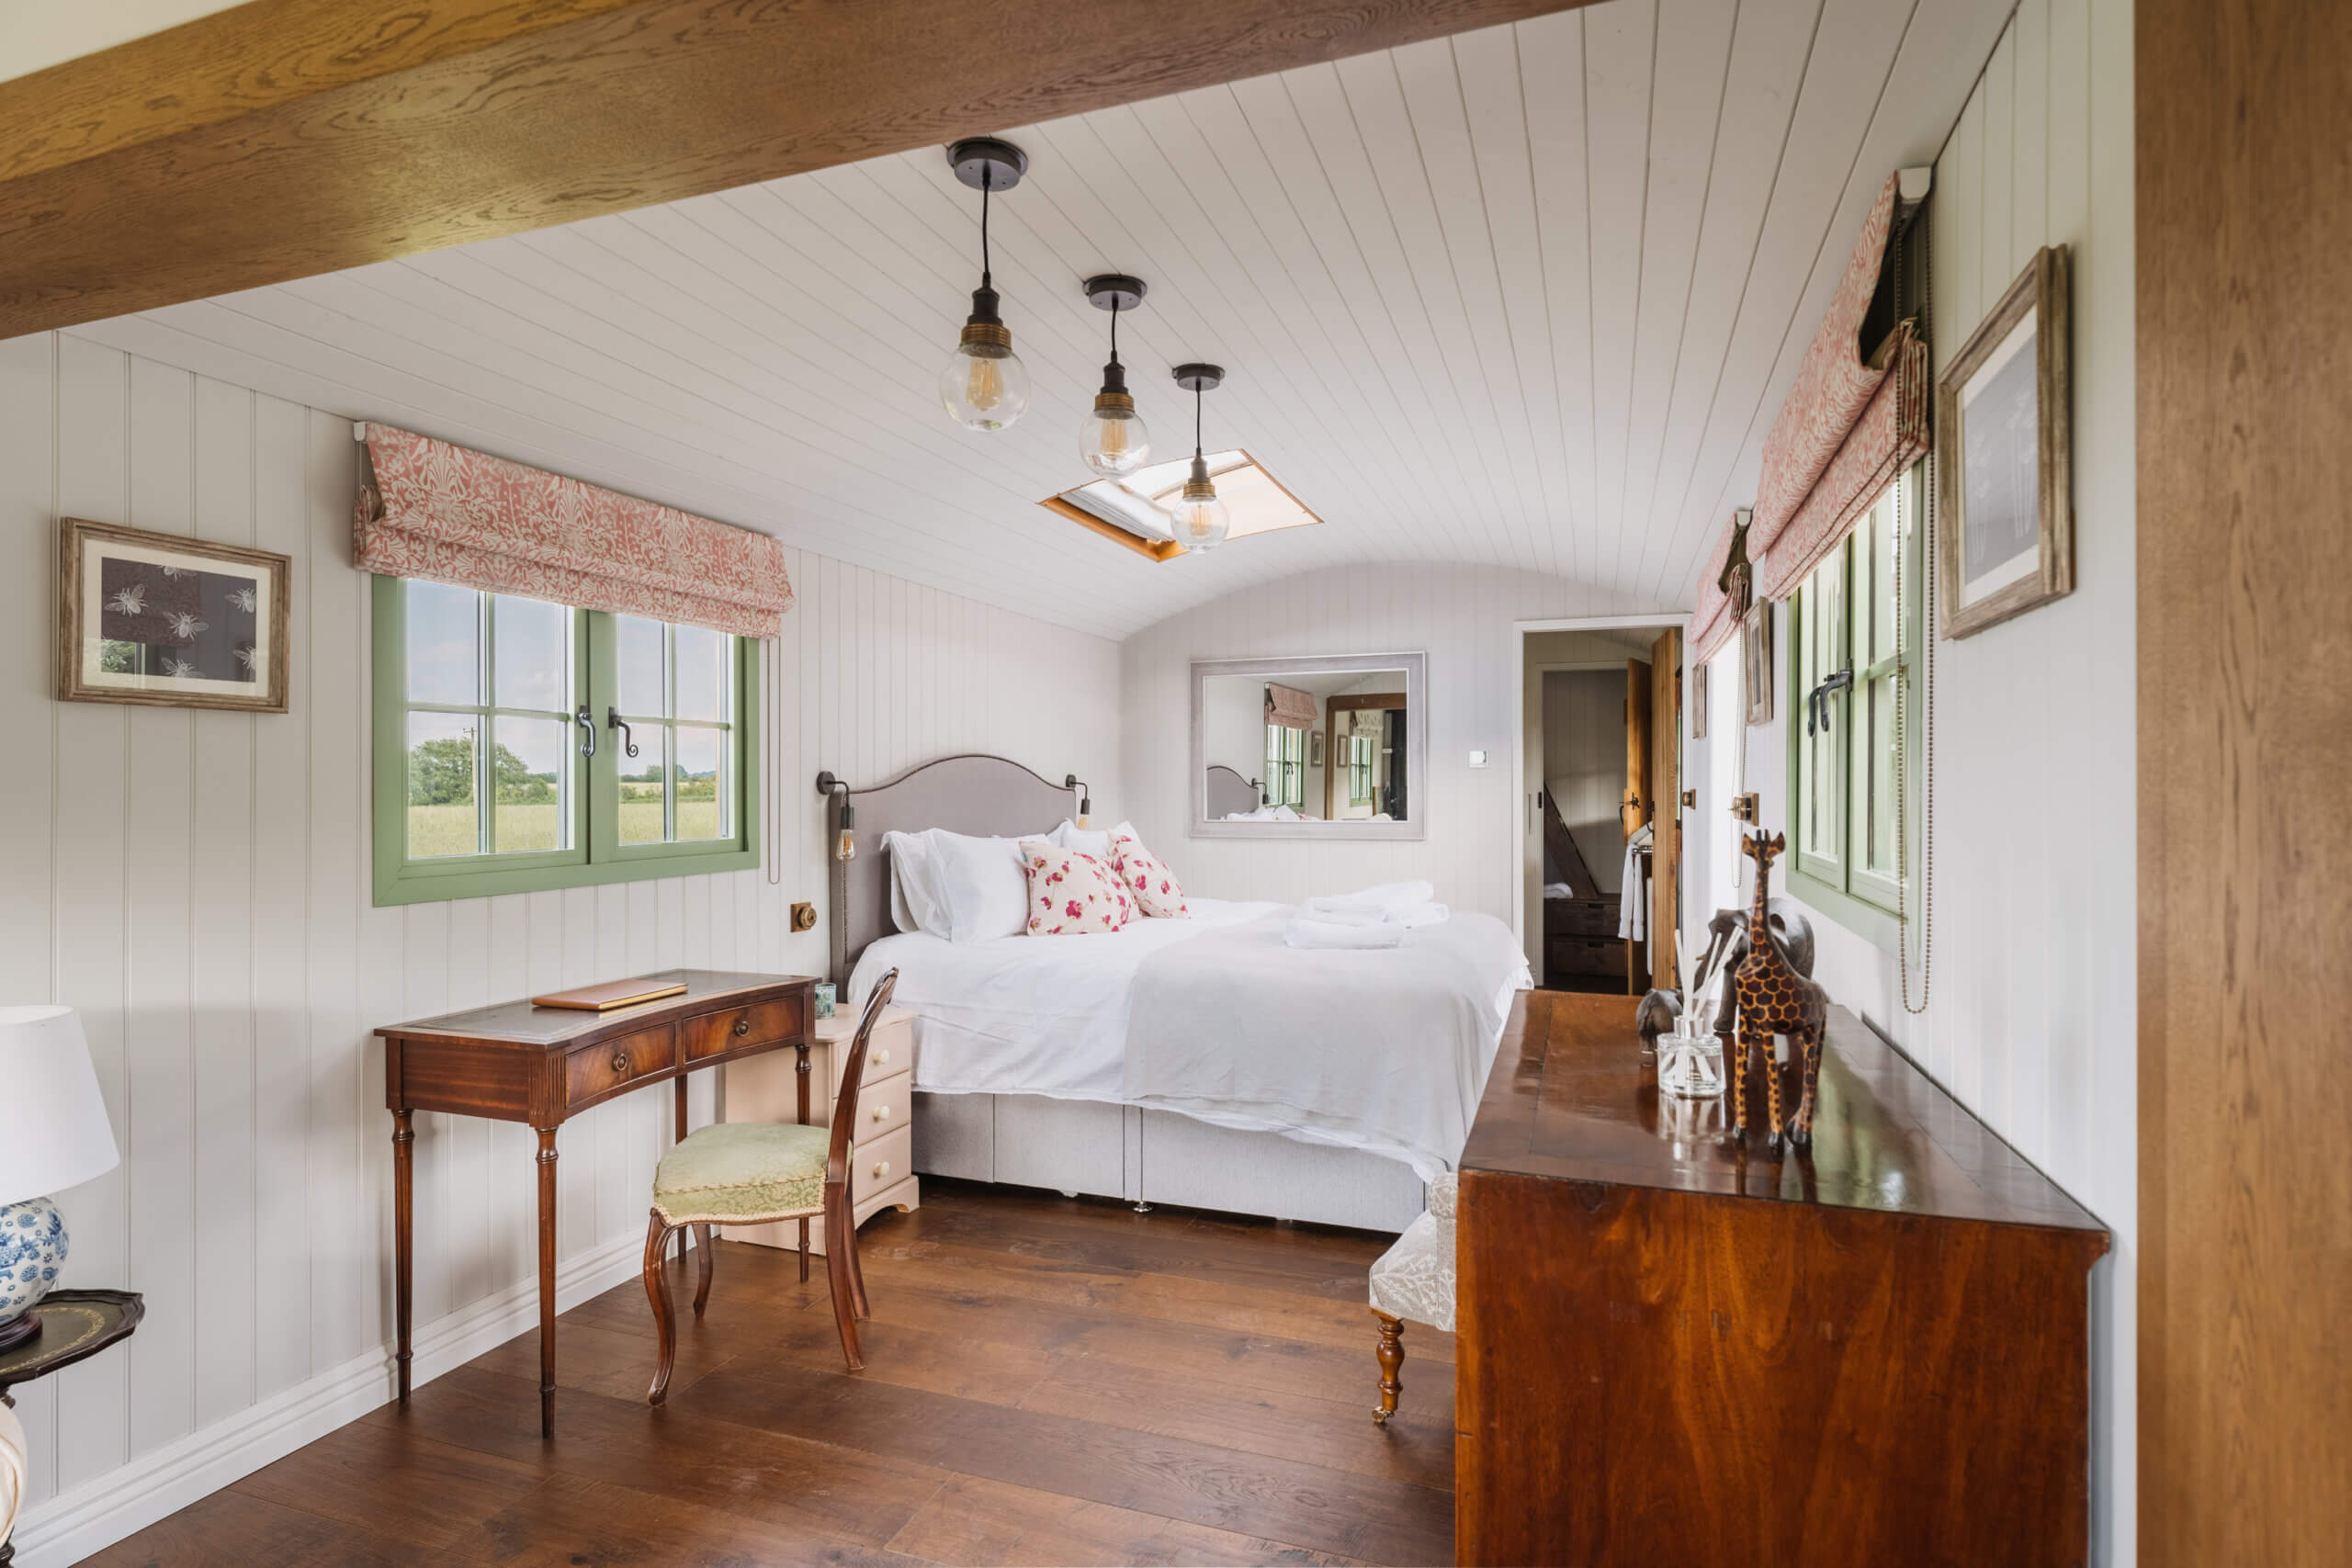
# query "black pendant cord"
(1196, 422)
(986, 175)
(1115, 329)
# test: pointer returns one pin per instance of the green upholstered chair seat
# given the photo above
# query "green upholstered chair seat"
(742, 1171)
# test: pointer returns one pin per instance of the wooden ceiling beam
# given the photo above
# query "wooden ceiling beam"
(289, 137)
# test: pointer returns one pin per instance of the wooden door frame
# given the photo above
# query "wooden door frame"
(2243, 278)
(1656, 621)
(284, 138)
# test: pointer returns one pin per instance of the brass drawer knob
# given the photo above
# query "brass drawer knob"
(881, 1169)
(742, 1027)
(620, 1062)
(881, 1114)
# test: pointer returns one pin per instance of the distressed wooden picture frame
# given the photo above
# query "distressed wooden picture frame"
(1699, 700)
(1996, 560)
(163, 620)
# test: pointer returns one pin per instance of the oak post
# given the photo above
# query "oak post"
(546, 1281)
(404, 1238)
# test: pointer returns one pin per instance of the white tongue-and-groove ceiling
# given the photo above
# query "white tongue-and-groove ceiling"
(1528, 296)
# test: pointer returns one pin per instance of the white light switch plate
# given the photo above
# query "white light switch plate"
(1478, 759)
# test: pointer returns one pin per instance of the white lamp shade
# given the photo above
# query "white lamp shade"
(53, 1129)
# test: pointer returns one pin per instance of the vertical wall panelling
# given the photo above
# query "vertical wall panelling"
(197, 885)
(2033, 1015)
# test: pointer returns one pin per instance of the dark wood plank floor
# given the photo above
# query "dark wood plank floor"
(1047, 1381)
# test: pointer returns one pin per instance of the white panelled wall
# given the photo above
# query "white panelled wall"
(196, 886)
(2032, 1021)
(1460, 616)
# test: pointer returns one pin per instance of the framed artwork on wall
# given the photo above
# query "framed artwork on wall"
(1699, 702)
(1756, 662)
(168, 621)
(1314, 747)
(2004, 440)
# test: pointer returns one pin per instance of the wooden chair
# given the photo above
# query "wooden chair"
(749, 1173)
(1414, 1279)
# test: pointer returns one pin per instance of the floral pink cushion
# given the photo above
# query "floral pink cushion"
(1071, 892)
(1144, 875)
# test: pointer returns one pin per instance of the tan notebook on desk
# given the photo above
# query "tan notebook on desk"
(611, 994)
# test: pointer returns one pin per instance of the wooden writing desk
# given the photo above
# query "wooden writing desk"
(538, 1065)
(1675, 1349)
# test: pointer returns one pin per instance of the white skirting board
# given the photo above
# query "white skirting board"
(94, 1515)
(1158, 1157)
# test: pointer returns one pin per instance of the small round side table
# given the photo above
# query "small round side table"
(75, 1325)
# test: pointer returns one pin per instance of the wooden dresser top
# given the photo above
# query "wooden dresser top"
(1572, 1097)
(521, 1024)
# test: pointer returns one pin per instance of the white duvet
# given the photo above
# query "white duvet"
(1214, 1017)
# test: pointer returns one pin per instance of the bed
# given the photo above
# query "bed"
(1199, 1062)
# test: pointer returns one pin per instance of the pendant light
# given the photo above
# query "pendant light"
(1201, 518)
(1113, 442)
(985, 386)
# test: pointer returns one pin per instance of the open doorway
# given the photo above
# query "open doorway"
(1599, 760)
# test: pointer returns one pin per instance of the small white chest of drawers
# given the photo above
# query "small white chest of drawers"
(768, 1088)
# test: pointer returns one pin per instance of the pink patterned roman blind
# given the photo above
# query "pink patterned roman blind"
(1849, 428)
(1289, 707)
(427, 508)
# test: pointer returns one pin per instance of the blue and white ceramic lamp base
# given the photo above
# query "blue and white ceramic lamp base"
(32, 1253)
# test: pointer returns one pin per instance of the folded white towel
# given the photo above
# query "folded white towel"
(1427, 914)
(1385, 899)
(1306, 932)
(1343, 917)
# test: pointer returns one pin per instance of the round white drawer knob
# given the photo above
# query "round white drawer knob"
(881, 1168)
(880, 1057)
(881, 1114)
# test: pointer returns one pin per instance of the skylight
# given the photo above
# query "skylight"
(1134, 511)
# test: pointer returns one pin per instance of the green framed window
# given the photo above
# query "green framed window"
(1854, 648)
(1286, 766)
(1359, 770)
(503, 729)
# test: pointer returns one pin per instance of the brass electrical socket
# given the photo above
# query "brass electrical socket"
(804, 917)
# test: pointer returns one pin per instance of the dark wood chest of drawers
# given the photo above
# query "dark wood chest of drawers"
(1676, 1350)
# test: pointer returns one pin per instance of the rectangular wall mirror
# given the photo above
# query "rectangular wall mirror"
(1332, 747)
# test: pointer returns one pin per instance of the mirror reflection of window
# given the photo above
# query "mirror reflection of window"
(1322, 746)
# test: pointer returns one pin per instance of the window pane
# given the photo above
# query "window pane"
(641, 787)
(442, 818)
(1883, 546)
(1880, 749)
(702, 668)
(637, 646)
(526, 778)
(532, 655)
(702, 812)
(444, 644)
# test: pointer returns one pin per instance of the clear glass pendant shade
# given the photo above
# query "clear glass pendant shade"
(1113, 442)
(984, 389)
(1201, 525)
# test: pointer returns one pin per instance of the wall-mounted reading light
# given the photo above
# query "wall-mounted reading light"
(1085, 798)
(845, 841)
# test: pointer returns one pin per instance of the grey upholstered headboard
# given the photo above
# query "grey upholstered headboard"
(1229, 792)
(974, 792)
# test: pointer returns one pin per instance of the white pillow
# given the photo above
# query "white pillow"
(980, 885)
(1070, 836)
(914, 901)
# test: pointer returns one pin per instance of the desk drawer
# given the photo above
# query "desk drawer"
(596, 1070)
(737, 1028)
(879, 1163)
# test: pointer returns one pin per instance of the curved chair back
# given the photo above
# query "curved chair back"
(852, 1077)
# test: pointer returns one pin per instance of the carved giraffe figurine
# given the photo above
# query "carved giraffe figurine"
(1774, 999)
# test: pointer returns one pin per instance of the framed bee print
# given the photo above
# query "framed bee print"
(168, 621)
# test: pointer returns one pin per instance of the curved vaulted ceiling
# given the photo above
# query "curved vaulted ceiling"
(1527, 297)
